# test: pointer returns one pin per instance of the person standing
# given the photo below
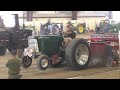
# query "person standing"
(48, 26)
(13, 66)
(97, 29)
(106, 28)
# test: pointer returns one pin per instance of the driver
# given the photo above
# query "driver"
(70, 32)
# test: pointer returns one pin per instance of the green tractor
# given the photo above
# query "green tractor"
(113, 27)
(55, 49)
(79, 27)
(50, 52)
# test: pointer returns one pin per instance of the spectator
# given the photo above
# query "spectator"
(97, 29)
(106, 28)
(14, 66)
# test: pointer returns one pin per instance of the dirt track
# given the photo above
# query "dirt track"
(62, 72)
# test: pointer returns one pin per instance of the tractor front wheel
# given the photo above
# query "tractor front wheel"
(26, 61)
(43, 62)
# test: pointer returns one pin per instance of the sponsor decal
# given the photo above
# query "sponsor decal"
(104, 36)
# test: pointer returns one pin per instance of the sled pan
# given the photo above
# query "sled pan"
(98, 53)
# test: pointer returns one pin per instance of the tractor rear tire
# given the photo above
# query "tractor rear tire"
(2, 50)
(80, 29)
(71, 55)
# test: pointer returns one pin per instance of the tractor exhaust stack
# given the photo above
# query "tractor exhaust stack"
(16, 22)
